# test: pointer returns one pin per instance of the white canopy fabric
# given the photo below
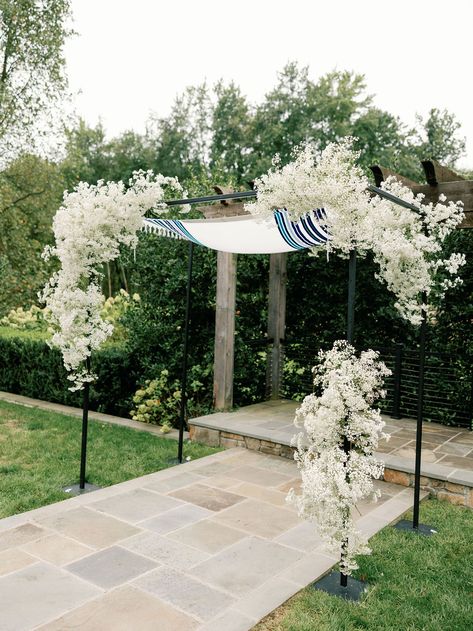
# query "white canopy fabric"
(244, 234)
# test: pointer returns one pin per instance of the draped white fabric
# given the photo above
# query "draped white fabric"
(246, 235)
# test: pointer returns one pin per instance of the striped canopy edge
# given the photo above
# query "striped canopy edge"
(247, 234)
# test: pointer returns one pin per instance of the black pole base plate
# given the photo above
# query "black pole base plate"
(422, 529)
(331, 585)
(74, 489)
(173, 461)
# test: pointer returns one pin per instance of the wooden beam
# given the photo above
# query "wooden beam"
(454, 190)
(224, 330)
(276, 321)
(436, 173)
(226, 208)
(381, 173)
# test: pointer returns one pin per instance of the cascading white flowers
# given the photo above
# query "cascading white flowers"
(333, 481)
(92, 224)
(406, 245)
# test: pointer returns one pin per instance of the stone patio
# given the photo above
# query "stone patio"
(210, 545)
(447, 454)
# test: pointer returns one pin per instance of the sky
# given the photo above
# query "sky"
(130, 59)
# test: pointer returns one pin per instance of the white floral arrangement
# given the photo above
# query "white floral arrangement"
(92, 224)
(334, 481)
(406, 245)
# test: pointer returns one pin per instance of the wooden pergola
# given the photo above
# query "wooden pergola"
(440, 180)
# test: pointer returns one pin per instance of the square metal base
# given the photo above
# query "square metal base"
(74, 489)
(331, 584)
(422, 529)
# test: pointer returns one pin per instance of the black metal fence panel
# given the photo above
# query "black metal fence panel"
(448, 383)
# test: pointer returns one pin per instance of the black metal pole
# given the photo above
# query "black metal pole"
(351, 297)
(350, 336)
(248, 194)
(420, 414)
(182, 418)
(85, 425)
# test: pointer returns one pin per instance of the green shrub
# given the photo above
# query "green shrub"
(28, 366)
(158, 401)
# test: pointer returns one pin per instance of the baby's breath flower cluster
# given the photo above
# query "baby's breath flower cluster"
(90, 227)
(331, 180)
(333, 482)
(406, 245)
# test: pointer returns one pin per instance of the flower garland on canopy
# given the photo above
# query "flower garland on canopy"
(332, 480)
(406, 245)
(92, 224)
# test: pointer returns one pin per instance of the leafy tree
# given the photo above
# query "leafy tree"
(438, 137)
(32, 68)
(182, 139)
(231, 139)
(86, 155)
(30, 192)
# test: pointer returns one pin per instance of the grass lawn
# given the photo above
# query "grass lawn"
(416, 583)
(40, 450)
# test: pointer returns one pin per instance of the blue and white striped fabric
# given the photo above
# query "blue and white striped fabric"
(244, 234)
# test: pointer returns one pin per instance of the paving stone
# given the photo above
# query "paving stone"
(264, 599)
(252, 561)
(39, 593)
(221, 482)
(136, 505)
(208, 536)
(177, 518)
(456, 462)
(57, 549)
(263, 477)
(409, 453)
(365, 506)
(464, 438)
(370, 525)
(258, 518)
(294, 483)
(14, 559)
(89, 527)
(173, 483)
(185, 592)
(165, 551)
(214, 468)
(308, 569)
(272, 496)
(274, 463)
(303, 537)
(207, 497)
(231, 620)
(461, 476)
(124, 609)
(454, 449)
(111, 567)
(20, 535)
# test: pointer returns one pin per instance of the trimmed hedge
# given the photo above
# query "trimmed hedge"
(30, 368)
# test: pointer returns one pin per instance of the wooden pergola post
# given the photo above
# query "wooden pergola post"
(225, 330)
(276, 322)
(224, 349)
